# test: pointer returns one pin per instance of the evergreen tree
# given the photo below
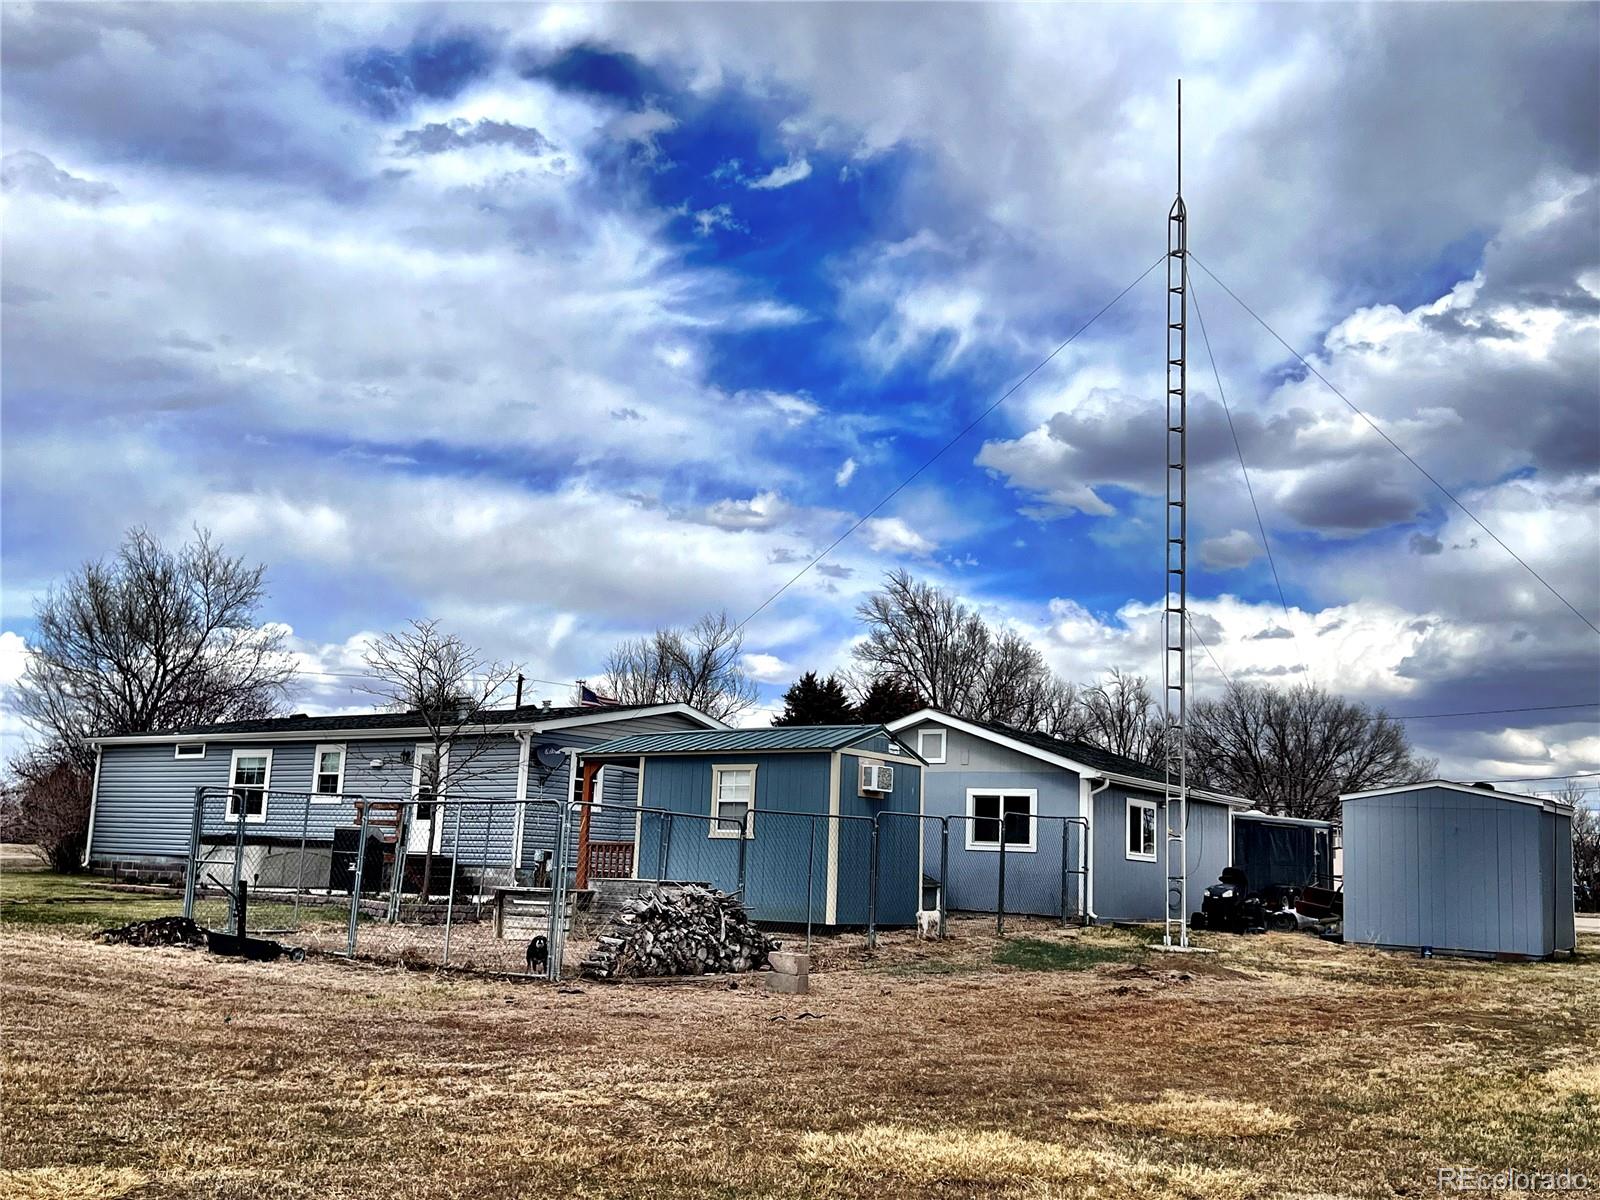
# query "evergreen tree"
(888, 699)
(813, 701)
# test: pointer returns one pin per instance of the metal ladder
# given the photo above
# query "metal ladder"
(1175, 614)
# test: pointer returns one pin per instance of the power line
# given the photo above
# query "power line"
(1489, 712)
(938, 454)
(1234, 433)
(1397, 447)
(1542, 778)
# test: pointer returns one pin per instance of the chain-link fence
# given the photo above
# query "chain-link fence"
(523, 888)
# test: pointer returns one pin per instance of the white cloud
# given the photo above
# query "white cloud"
(891, 535)
(13, 658)
(768, 668)
(792, 171)
(845, 473)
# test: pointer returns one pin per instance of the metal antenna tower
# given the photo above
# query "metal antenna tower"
(1175, 617)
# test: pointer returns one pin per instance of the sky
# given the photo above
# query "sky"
(558, 324)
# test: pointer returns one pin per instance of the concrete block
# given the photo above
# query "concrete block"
(790, 962)
(788, 985)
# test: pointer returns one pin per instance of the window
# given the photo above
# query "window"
(1142, 830)
(733, 791)
(930, 744)
(248, 781)
(327, 772)
(993, 813)
(189, 750)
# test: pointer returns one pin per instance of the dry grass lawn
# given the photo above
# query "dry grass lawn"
(1276, 1067)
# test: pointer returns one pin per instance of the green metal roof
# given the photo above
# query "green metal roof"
(780, 737)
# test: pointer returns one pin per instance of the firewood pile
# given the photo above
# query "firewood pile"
(162, 931)
(681, 929)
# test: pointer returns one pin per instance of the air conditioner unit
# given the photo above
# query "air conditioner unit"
(877, 777)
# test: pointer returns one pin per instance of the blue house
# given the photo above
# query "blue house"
(296, 783)
(1082, 831)
(789, 815)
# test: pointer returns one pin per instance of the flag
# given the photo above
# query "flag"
(589, 697)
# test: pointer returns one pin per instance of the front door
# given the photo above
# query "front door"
(426, 828)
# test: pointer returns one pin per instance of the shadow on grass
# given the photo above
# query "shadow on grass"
(1034, 954)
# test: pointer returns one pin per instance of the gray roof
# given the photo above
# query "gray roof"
(528, 714)
(778, 737)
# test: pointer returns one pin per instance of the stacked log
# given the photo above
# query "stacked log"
(162, 931)
(678, 929)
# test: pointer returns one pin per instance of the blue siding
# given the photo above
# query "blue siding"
(1034, 879)
(1457, 871)
(899, 876)
(1134, 890)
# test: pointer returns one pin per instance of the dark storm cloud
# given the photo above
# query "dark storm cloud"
(1349, 501)
(437, 137)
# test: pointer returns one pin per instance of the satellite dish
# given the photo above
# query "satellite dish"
(549, 757)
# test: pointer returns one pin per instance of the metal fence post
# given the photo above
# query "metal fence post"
(1000, 900)
(665, 856)
(300, 880)
(872, 886)
(944, 871)
(355, 886)
(190, 876)
(1065, 827)
(744, 837)
(450, 899)
(811, 853)
(238, 864)
(483, 862)
(558, 887)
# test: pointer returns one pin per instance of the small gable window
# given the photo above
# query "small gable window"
(930, 745)
(189, 750)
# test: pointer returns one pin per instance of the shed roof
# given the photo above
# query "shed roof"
(1548, 803)
(778, 737)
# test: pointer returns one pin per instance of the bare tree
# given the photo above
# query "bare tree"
(927, 643)
(700, 666)
(1120, 714)
(451, 687)
(151, 640)
(45, 805)
(1585, 846)
(1294, 751)
(925, 639)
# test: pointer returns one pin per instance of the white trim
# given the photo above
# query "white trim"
(1030, 846)
(440, 797)
(598, 796)
(713, 829)
(177, 746)
(1251, 814)
(830, 912)
(1466, 788)
(638, 819)
(94, 800)
(266, 785)
(337, 795)
(1070, 764)
(520, 825)
(944, 744)
(401, 733)
(1133, 802)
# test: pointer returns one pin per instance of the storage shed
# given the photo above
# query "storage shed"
(1456, 868)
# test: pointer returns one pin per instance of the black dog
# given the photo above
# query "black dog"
(538, 955)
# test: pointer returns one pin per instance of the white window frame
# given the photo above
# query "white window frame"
(179, 748)
(234, 813)
(337, 795)
(1127, 828)
(1005, 793)
(944, 741)
(714, 827)
(575, 779)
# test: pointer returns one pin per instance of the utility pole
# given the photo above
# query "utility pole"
(1175, 618)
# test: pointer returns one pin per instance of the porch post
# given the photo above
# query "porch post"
(590, 770)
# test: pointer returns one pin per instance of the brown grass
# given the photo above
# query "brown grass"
(1278, 1066)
